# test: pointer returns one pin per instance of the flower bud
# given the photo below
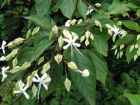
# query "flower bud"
(60, 41)
(98, 5)
(72, 66)
(73, 21)
(58, 58)
(55, 29)
(85, 73)
(3, 58)
(79, 21)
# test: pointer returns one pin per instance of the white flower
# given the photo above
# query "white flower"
(115, 30)
(89, 11)
(85, 73)
(68, 23)
(22, 89)
(71, 42)
(42, 81)
(4, 69)
(3, 46)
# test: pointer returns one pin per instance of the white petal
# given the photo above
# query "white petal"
(76, 44)
(4, 76)
(4, 69)
(45, 86)
(35, 80)
(66, 40)
(3, 43)
(75, 38)
(21, 84)
(44, 76)
(67, 24)
(69, 36)
(37, 76)
(66, 46)
(26, 95)
(17, 92)
(47, 80)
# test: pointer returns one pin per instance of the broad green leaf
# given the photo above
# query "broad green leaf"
(118, 7)
(132, 25)
(68, 7)
(86, 85)
(56, 73)
(4, 3)
(100, 45)
(41, 45)
(25, 54)
(42, 6)
(138, 13)
(82, 8)
(134, 99)
(57, 5)
(79, 30)
(100, 66)
(130, 55)
(126, 39)
(42, 21)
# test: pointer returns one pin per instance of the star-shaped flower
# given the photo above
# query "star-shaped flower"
(71, 42)
(3, 46)
(4, 69)
(22, 89)
(115, 30)
(42, 81)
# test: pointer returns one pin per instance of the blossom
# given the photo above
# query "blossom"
(4, 69)
(71, 42)
(115, 30)
(3, 46)
(42, 81)
(85, 73)
(22, 89)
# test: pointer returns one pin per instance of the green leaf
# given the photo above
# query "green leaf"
(42, 21)
(41, 45)
(130, 55)
(138, 13)
(126, 39)
(42, 6)
(132, 25)
(86, 85)
(100, 66)
(118, 7)
(100, 45)
(82, 8)
(68, 7)
(25, 55)
(4, 3)
(134, 99)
